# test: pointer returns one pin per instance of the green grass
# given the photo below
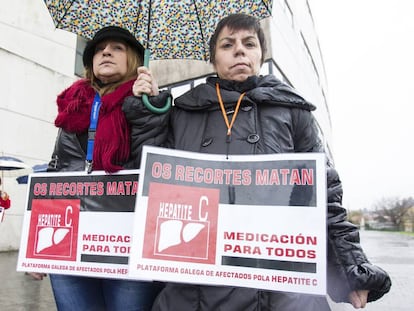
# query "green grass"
(393, 231)
(406, 233)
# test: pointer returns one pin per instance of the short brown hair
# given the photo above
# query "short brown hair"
(237, 22)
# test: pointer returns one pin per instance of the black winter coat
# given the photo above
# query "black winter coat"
(273, 118)
(146, 129)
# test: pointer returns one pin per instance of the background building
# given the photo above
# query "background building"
(38, 62)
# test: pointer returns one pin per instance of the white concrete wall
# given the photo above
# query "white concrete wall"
(36, 63)
(289, 51)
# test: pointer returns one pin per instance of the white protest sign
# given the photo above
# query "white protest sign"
(79, 224)
(253, 221)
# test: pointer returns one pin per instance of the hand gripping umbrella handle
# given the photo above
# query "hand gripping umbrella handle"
(145, 96)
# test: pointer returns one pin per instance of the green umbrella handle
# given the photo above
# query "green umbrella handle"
(145, 96)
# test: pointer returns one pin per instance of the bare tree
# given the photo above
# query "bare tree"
(394, 209)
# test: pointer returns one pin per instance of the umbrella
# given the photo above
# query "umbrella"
(10, 167)
(36, 169)
(169, 29)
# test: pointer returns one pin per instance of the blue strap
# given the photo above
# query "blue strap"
(92, 131)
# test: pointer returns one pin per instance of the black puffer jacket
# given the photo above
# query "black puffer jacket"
(146, 129)
(273, 118)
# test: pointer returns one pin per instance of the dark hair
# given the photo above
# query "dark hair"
(237, 22)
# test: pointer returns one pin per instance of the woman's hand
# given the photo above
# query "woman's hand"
(145, 83)
(358, 298)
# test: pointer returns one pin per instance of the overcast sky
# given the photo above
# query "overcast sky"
(368, 49)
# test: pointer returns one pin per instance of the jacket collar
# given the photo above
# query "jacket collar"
(259, 89)
(241, 87)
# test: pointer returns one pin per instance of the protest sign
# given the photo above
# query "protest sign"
(252, 221)
(79, 224)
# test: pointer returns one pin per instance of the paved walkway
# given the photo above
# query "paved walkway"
(21, 292)
(392, 251)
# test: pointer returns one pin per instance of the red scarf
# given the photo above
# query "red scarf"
(112, 140)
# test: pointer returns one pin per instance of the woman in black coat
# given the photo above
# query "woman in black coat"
(240, 112)
(113, 74)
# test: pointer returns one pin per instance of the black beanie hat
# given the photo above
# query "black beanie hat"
(110, 32)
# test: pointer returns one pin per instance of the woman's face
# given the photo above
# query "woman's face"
(238, 54)
(110, 61)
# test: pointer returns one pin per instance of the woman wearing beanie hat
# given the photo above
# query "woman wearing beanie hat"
(113, 75)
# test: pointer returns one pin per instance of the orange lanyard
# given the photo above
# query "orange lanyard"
(223, 111)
